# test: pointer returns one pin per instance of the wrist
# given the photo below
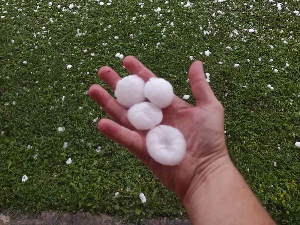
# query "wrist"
(222, 166)
(222, 196)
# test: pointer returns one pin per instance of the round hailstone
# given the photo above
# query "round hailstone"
(159, 92)
(166, 145)
(130, 91)
(144, 116)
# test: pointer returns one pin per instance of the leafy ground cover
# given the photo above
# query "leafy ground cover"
(51, 51)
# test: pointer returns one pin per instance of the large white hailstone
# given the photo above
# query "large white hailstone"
(130, 91)
(297, 144)
(166, 145)
(144, 116)
(159, 92)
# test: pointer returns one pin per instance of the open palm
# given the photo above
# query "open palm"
(201, 125)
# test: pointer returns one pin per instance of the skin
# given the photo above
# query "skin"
(206, 181)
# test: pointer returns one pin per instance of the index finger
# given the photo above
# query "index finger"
(134, 66)
(109, 76)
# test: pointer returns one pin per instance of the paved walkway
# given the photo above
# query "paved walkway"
(80, 218)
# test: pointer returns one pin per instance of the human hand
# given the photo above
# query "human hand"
(202, 126)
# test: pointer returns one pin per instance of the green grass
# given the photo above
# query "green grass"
(262, 125)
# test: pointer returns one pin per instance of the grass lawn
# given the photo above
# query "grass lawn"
(251, 51)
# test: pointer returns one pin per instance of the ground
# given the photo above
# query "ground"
(53, 158)
(54, 218)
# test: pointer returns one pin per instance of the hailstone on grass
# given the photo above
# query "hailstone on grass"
(130, 91)
(159, 92)
(143, 198)
(69, 161)
(166, 145)
(24, 178)
(144, 116)
(186, 97)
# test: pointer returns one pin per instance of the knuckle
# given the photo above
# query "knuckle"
(218, 106)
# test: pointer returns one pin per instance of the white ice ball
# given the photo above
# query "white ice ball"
(144, 116)
(166, 145)
(130, 91)
(159, 92)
